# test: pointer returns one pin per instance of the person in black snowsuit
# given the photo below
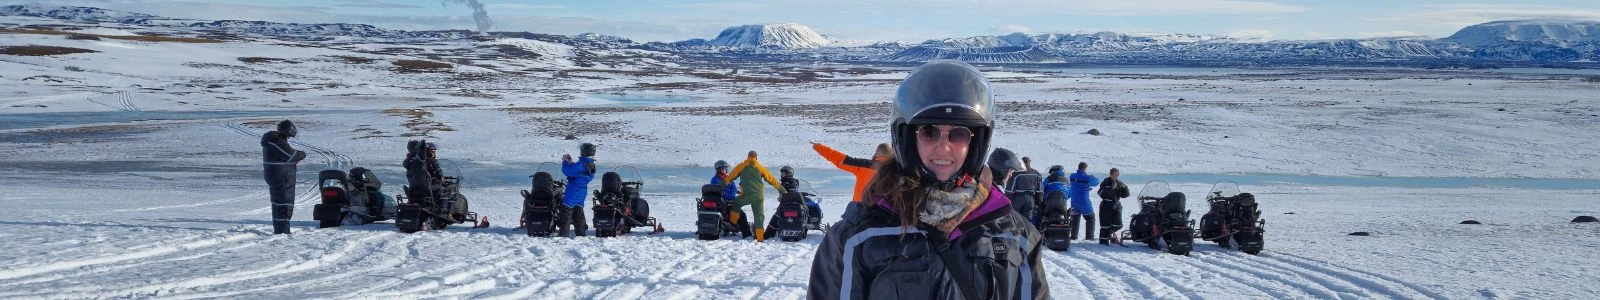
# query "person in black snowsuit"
(278, 161)
(931, 224)
(1112, 190)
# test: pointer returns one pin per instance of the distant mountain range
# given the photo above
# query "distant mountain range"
(1535, 41)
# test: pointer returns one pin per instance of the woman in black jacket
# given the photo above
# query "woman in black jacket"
(932, 226)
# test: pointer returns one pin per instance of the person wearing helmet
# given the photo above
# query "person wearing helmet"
(792, 185)
(279, 162)
(729, 192)
(1003, 163)
(751, 175)
(1081, 182)
(862, 168)
(933, 201)
(578, 173)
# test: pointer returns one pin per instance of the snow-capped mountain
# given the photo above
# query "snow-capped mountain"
(76, 13)
(1506, 41)
(785, 36)
(1540, 40)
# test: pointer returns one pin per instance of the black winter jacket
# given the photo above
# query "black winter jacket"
(865, 256)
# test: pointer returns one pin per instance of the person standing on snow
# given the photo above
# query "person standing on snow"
(1112, 190)
(751, 175)
(578, 173)
(932, 225)
(862, 168)
(1081, 183)
(279, 163)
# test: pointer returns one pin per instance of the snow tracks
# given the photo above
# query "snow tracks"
(1112, 272)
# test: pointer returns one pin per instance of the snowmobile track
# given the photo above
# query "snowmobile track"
(1354, 276)
(253, 195)
(333, 160)
(1250, 281)
(1147, 289)
(91, 270)
(139, 254)
(322, 261)
(385, 263)
(1330, 281)
(1054, 262)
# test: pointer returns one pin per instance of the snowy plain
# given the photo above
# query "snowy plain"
(135, 174)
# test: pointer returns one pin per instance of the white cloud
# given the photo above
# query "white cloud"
(1473, 14)
(1009, 29)
(1251, 34)
(524, 6)
(372, 4)
(1380, 34)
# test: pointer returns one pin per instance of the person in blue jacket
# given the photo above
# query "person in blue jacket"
(579, 173)
(729, 191)
(1081, 182)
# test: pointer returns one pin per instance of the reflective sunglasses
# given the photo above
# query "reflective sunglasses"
(957, 135)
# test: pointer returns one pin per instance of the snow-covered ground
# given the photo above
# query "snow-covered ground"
(133, 171)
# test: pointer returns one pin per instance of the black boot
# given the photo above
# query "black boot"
(1088, 229)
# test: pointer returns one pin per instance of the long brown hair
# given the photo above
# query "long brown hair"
(902, 191)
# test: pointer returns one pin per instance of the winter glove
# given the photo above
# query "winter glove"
(298, 156)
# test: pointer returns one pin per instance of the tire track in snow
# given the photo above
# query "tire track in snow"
(385, 262)
(1145, 271)
(1332, 283)
(1083, 279)
(1145, 291)
(441, 277)
(1320, 291)
(166, 248)
(1249, 281)
(1352, 274)
(88, 271)
(255, 195)
(322, 261)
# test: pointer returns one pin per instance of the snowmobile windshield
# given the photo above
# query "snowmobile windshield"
(451, 168)
(1223, 189)
(1154, 190)
(332, 183)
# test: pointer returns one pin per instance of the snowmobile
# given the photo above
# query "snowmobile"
(798, 212)
(712, 211)
(1055, 221)
(541, 203)
(1163, 220)
(1234, 220)
(618, 207)
(432, 200)
(354, 198)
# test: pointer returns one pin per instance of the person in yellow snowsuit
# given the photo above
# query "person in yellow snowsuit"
(751, 175)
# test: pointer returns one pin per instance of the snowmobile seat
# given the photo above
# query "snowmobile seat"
(792, 196)
(1055, 206)
(611, 182)
(1173, 202)
(544, 190)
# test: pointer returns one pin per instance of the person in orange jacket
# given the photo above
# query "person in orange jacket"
(862, 168)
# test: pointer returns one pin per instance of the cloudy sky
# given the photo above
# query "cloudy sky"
(905, 20)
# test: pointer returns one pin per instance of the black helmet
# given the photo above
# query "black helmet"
(286, 128)
(786, 172)
(413, 147)
(586, 150)
(1003, 159)
(1058, 170)
(720, 165)
(946, 93)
